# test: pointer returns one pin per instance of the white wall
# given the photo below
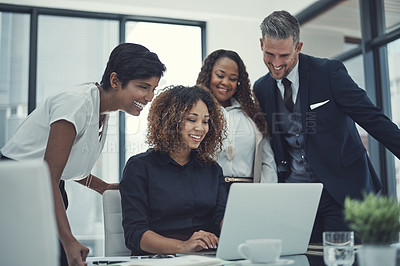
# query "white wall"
(230, 24)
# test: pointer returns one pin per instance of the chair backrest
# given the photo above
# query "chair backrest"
(28, 231)
(114, 241)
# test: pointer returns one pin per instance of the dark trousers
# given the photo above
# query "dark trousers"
(330, 217)
(63, 257)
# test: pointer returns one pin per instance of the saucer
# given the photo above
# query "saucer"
(280, 262)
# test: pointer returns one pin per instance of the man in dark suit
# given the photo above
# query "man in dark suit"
(311, 105)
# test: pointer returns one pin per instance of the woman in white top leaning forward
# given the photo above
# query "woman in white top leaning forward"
(68, 130)
(247, 155)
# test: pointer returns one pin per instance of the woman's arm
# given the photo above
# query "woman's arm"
(222, 196)
(268, 165)
(97, 184)
(154, 243)
(59, 144)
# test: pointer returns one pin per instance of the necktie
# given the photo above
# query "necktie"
(287, 95)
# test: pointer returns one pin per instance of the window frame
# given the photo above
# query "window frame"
(35, 12)
(374, 51)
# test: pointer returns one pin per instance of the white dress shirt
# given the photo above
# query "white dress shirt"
(253, 153)
(240, 134)
(293, 77)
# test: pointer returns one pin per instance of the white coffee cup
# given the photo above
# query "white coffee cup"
(261, 250)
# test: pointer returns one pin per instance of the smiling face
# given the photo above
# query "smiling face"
(136, 94)
(224, 80)
(195, 125)
(280, 56)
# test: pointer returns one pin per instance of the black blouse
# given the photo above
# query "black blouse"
(172, 200)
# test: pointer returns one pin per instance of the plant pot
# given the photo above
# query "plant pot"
(376, 255)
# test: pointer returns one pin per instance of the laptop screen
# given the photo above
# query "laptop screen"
(265, 210)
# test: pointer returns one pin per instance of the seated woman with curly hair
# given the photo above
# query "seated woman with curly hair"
(173, 195)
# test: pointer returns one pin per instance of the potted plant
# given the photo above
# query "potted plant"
(375, 220)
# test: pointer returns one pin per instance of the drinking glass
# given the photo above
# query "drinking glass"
(338, 248)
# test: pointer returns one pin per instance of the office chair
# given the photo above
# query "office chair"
(114, 241)
(28, 232)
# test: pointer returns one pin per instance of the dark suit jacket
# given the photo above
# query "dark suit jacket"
(332, 143)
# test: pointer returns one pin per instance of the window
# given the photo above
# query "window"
(333, 32)
(357, 74)
(392, 14)
(179, 48)
(14, 64)
(394, 75)
(378, 46)
(73, 51)
(73, 48)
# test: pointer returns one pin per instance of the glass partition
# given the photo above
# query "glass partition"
(392, 14)
(14, 67)
(73, 51)
(357, 74)
(334, 31)
(393, 49)
(179, 48)
(73, 48)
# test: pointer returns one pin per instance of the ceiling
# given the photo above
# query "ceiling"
(190, 9)
(345, 17)
(237, 8)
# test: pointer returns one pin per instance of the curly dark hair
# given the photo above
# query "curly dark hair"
(167, 115)
(243, 94)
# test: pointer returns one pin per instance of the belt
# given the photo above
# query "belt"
(229, 179)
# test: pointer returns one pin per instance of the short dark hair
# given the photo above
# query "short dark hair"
(167, 115)
(132, 61)
(281, 25)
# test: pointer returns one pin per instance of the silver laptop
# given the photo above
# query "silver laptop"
(253, 211)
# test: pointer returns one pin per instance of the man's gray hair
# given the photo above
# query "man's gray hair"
(281, 25)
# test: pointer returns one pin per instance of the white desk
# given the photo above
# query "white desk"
(298, 260)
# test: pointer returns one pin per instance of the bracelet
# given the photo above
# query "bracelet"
(89, 180)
